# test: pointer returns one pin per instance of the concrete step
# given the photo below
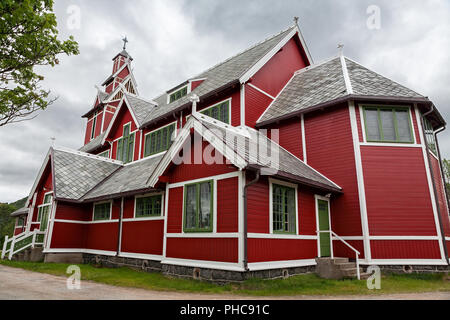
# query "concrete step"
(351, 273)
(340, 260)
(345, 265)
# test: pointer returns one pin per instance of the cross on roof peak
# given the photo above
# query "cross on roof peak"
(125, 40)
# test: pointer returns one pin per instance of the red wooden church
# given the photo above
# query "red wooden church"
(255, 167)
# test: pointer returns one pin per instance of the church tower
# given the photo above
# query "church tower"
(110, 94)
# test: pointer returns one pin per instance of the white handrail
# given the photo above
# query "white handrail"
(20, 237)
(357, 253)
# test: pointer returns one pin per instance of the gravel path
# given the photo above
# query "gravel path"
(18, 283)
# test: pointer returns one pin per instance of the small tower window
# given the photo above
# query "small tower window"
(94, 122)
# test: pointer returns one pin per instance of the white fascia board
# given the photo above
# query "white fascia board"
(39, 176)
(258, 65)
(218, 144)
(107, 132)
(171, 152)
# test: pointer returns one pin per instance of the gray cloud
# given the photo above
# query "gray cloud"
(173, 40)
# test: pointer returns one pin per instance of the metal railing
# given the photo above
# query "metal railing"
(21, 242)
(357, 253)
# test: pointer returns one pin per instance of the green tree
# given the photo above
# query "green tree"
(6, 221)
(28, 38)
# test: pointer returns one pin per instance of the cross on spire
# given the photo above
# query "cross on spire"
(296, 20)
(125, 40)
(341, 49)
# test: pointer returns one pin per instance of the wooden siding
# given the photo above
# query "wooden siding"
(290, 136)
(341, 250)
(256, 103)
(438, 182)
(258, 206)
(102, 236)
(260, 250)
(279, 69)
(144, 237)
(329, 146)
(175, 209)
(397, 195)
(210, 249)
(227, 205)
(405, 249)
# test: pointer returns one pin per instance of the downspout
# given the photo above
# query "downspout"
(245, 218)
(434, 184)
(119, 238)
(444, 186)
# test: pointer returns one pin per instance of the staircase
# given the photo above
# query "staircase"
(338, 268)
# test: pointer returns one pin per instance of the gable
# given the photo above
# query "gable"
(193, 165)
(122, 117)
(272, 77)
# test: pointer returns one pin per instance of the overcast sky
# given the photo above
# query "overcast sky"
(173, 40)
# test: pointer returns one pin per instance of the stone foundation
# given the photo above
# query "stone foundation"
(213, 275)
(116, 262)
(405, 269)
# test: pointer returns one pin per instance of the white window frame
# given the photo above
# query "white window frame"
(146, 196)
(175, 132)
(39, 218)
(94, 124)
(273, 181)
(110, 210)
(121, 137)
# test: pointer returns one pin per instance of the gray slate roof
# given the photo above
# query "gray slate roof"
(131, 177)
(285, 164)
(325, 82)
(76, 174)
(93, 144)
(220, 75)
(20, 212)
(141, 108)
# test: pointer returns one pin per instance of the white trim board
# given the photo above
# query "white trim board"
(267, 265)
(230, 266)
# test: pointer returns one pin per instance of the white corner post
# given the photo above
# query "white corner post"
(194, 99)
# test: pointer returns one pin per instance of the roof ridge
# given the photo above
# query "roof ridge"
(359, 64)
(88, 155)
(232, 57)
(140, 98)
(315, 65)
(346, 75)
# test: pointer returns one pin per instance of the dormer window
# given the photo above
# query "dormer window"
(125, 145)
(180, 93)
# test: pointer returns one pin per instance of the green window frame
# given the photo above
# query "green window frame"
(148, 206)
(429, 136)
(284, 209)
(102, 211)
(125, 145)
(388, 124)
(180, 93)
(94, 123)
(104, 154)
(159, 140)
(220, 111)
(20, 222)
(198, 206)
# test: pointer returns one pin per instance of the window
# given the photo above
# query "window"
(148, 206)
(283, 209)
(198, 207)
(104, 154)
(219, 111)
(94, 122)
(20, 222)
(158, 140)
(102, 211)
(178, 94)
(125, 145)
(429, 135)
(44, 210)
(388, 124)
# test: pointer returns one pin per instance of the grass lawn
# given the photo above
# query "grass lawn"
(308, 284)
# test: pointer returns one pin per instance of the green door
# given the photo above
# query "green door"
(324, 225)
